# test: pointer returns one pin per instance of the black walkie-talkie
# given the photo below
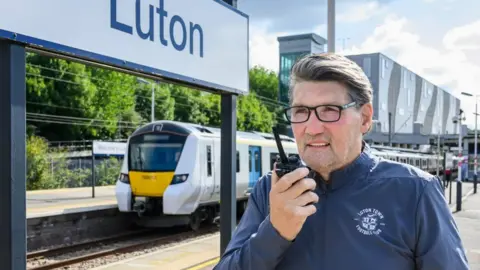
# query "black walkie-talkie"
(285, 164)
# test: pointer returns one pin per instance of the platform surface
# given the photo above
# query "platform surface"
(193, 255)
(468, 221)
(61, 201)
(203, 254)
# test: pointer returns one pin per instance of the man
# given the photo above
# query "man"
(353, 210)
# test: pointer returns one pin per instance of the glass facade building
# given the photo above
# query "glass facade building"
(291, 49)
(286, 63)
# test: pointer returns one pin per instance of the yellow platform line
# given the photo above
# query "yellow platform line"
(204, 264)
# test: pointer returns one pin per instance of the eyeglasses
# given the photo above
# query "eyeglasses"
(324, 113)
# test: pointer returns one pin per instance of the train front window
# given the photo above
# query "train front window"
(155, 153)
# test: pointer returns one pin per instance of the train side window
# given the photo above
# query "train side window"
(238, 161)
(249, 160)
(258, 163)
(209, 160)
(273, 158)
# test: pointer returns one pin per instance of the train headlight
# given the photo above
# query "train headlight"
(179, 178)
(124, 178)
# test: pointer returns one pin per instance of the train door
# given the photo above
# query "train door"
(255, 165)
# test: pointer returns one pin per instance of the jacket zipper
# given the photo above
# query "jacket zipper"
(325, 229)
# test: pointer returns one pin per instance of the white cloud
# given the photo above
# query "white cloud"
(264, 46)
(465, 37)
(361, 12)
(449, 63)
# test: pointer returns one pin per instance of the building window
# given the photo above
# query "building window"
(287, 60)
(408, 97)
(405, 78)
(383, 68)
(367, 66)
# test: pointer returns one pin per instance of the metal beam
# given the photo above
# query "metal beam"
(228, 198)
(12, 157)
(228, 163)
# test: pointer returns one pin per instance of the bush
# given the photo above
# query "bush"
(50, 169)
(39, 175)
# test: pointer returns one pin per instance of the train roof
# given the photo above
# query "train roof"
(204, 131)
(207, 131)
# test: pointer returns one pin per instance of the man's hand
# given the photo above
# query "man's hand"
(289, 197)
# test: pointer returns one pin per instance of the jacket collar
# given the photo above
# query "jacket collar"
(358, 169)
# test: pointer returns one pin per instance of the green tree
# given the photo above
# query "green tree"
(264, 83)
(164, 103)
(71, 101)
(57, 87)
(190, 105)
(114, 102)
(252, 115)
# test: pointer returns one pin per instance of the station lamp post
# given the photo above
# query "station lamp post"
(475, 142)
(331, 26)
(140, 80)
(458, 118)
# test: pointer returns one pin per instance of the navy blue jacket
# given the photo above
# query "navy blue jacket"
(374, 214)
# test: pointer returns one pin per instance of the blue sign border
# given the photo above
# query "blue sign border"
(107, 60)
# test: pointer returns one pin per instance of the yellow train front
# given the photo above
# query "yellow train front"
(171, 175)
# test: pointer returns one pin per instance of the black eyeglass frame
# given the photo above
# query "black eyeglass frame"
(310, 109)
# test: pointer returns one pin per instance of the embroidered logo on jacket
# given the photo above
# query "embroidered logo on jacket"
(369, 221)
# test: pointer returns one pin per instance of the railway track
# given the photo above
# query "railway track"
(52, 259)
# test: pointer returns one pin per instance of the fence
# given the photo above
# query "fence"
(62, 170)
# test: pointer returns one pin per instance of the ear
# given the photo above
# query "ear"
(367, 118)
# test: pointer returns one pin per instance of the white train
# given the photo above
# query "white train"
(171, 171)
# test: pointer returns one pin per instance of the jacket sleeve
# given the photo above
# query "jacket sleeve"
(255, 243)
(439, 246)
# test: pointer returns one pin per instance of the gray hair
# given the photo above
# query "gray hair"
(332, 67)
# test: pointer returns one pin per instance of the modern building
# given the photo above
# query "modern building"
(291, 49)
(409, 110)
(407, 106)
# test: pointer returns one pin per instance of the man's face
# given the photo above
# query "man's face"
(343, 138)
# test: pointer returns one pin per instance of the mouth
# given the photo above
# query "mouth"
(318, 145)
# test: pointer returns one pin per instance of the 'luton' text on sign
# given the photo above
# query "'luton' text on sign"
(202, 42)
(166, 24)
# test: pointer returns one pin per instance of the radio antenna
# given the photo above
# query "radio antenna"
(283, 156)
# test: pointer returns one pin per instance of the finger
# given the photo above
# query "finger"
(306, 198)
(305, 211)
(300, 187)
(289, 179)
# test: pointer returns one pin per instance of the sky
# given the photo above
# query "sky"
(437, 39)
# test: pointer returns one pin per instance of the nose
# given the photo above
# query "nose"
(314, 126)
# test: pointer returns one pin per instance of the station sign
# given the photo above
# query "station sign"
(201, 42)
(109, 148)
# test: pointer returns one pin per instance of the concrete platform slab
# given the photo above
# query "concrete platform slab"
(42, 203)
